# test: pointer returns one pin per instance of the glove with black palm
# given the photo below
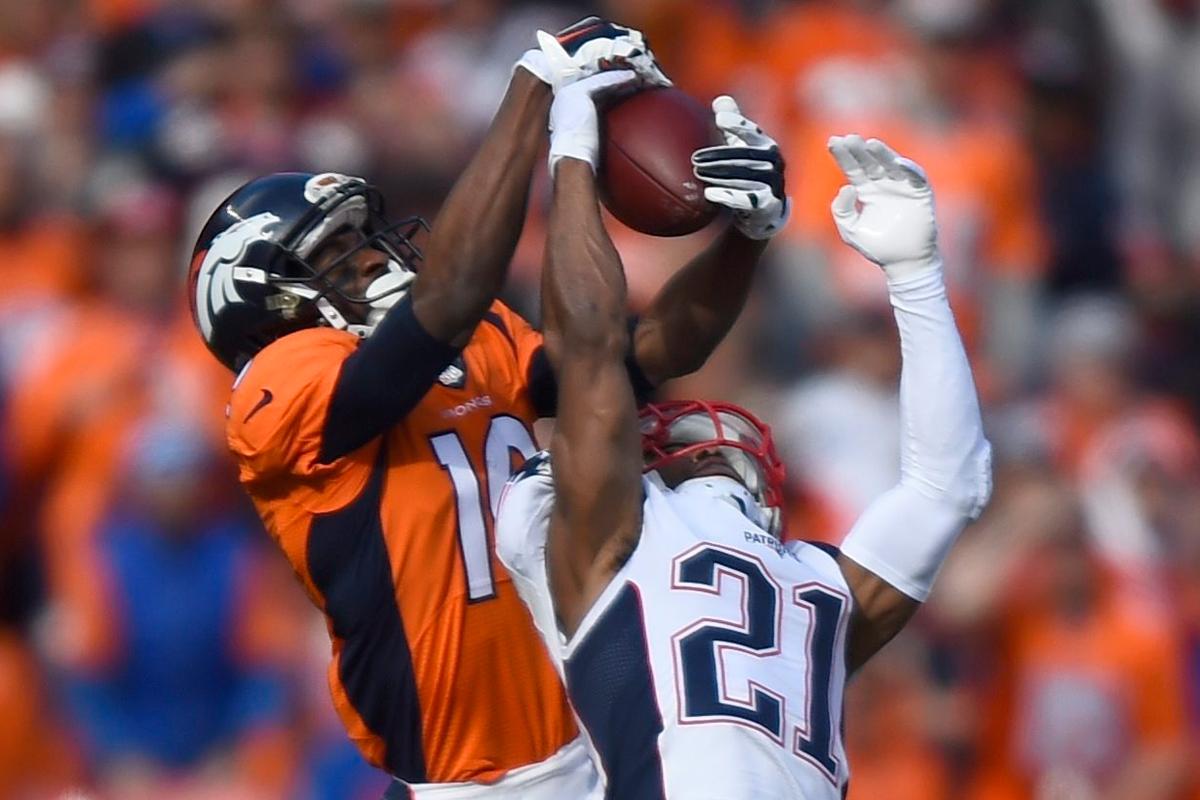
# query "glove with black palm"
(746, 174)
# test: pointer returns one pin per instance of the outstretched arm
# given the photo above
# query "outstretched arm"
(475, 233)
(691, 314)
(472, 241)
(471, 244)
(595, 449)
(893, 552)
(698, 306)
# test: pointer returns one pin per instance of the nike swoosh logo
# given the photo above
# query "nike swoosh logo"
(266, 398)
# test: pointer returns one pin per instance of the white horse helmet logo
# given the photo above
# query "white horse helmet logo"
(221, 269)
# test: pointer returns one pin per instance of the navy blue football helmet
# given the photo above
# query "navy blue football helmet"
(251, 280)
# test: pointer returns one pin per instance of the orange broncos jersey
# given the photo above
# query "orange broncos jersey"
(437, 671)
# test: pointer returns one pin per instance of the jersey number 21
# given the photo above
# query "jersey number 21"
(700, 650)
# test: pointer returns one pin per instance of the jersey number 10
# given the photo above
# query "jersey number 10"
(505, 436)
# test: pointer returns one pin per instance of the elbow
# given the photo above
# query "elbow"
(464, 297)
(588, 321)
(981, 482)
(966, 487)
(599, 335)
(973, 487)
(687, 362)
(450, 312)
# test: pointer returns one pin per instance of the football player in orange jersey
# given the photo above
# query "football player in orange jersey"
(383, 398)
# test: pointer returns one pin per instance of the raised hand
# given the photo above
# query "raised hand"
(590, 46)
(746, 174)
(886, 211)
(574, 120)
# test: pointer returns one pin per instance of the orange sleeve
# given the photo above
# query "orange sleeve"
(279, 403)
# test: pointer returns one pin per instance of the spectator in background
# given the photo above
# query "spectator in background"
(1154, 47)
(940, 97)
(1108, 436)
(1096, 155)
(1086, 699)
(125, 354)
(839, 429)
(709, 54)
(40, 250)
(180, 690)
(1065, 76)
(28, 762)
(890, 738)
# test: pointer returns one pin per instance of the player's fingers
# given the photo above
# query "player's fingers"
(558, 58)
(654, 75)
(711, 155)
(725, 105)
(845, 204)
(737, 184)
(748, 170)
(739, 131)
(913, 172)
(866, 161)
(550, 45)
(735, 199)
(746, 176)
(729, 198)
(735, 126)
(895, 165)
(886, 158)
(609, 81)
(720, 174)
(767, 157)
(839, 148)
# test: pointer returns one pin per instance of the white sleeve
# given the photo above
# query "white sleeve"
(945, 461)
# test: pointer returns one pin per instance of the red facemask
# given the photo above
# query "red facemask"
(680, 429)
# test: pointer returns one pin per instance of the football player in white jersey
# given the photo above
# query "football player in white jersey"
(706, 659)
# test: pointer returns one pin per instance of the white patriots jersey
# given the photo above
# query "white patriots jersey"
(712, 667)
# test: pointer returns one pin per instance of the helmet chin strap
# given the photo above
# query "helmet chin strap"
(387, 290)
(734, 493)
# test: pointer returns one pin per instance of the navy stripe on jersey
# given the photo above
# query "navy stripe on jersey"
(495, 321)
(610, 685)
(348, 562)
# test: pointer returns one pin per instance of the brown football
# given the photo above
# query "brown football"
(646, 178)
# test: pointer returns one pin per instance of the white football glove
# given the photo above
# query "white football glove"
(745, 174)
(574, 121)
(589, 46)
(886, 212)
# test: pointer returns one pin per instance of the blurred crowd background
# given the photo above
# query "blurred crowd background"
(153, 645)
